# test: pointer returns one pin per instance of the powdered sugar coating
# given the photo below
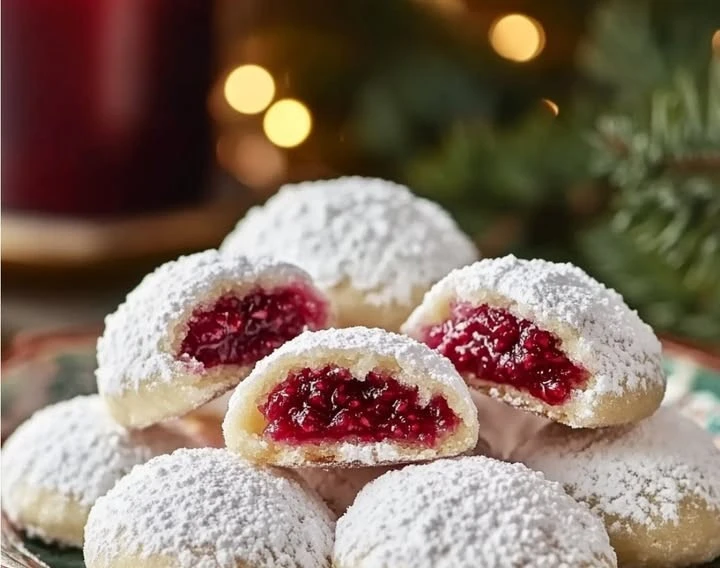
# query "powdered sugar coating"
(638, 473)
(609, 339)
(73, 448)
(373, 233)
(468, 512)
(137, 346)
(206, 508)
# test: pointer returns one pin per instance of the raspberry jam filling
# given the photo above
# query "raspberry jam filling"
(242, 330)
(330, 405)
(492, 344)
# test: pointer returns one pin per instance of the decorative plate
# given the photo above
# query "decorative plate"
(42, 370)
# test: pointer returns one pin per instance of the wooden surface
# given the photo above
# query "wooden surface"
(35, 241)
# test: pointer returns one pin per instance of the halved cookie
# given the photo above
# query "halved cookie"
(353, 396)
(545, 337)
(194, 328)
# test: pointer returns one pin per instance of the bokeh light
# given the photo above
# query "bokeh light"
(287, 123)
(517, 37)
(249, 89)
(552, 105)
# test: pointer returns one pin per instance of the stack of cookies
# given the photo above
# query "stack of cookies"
(355, 332)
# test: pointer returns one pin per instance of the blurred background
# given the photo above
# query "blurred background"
(135, 130)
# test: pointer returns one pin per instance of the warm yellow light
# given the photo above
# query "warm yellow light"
(552, 106)
(517, 37)
(716, 43)
(249, 89)
(287, 123)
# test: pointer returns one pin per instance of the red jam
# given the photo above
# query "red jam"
(330, 405)
(240, 331)
(491, 344)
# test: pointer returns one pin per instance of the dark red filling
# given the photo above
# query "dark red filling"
(330, 405)
(240, 331)
(493, 345)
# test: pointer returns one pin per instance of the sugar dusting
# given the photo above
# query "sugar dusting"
(73, 448)
(206, 508)
(135, 347)
(469, 512)
(616, 346)
(637, 473)
(373, 233)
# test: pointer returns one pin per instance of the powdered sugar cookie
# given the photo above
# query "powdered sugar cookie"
(353, 396)
(656, 485)
(370, 244)
(194, 328)
(544, 337)
(465, 513)
(206, 508)
(60, 461)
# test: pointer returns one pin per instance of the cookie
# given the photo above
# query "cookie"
(370, 244)
(61, 460)
(655, 484)
(195, 327)
(352, 397)
(205, 508)
(468, 512)
(544, 337)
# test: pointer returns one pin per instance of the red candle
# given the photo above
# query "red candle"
(104, 104)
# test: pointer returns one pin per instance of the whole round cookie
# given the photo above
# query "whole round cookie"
(544, 337)
(655, 484)
(206, 508)
(370, 244)
(350, 397)
(468, 512)
(194, 328)
(61, 460)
